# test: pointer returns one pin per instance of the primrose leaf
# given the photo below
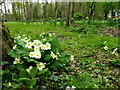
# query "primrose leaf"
(32, 83)
(15, 77)
(33, 72)
(12, 53)
(24, 80)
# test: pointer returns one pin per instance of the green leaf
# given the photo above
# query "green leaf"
(32, 60)
(20, 42)
(6, 85)
(15, 77)
(12, 53)
(24, 80)
(32, 83)
(42, 71)
(56, 65)
(20, 67)
(33, 72)
(55, 44)
(22, 50)
(18, 86)
(23, 73)
(46, 57)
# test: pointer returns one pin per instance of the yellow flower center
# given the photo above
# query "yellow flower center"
(28, 44)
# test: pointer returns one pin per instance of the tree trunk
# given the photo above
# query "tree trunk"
(72, 13)
(68, 15)
(46, 10)
(7, 42)
(106, 13)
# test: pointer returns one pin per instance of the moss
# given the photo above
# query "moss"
(6, 36)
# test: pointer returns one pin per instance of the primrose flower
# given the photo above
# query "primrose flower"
(71, 57)
(114, 50)
(16, 61)
(53, 55)
(41, 65)
(46, 46)
(104, 42)
(37, 54)
(36, 42)
(116, 18)
(67, 88)
(73, 87)
(9, 83)
(29, 69)
(36, 48)
(50, 34)
(29, 45)
(42, 46)
(87, 17)
(15, 47)
(32, 54)
(106, 48)
(18, 37)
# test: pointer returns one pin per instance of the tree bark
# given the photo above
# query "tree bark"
(7, 42)
(73, 5)
(68, 15)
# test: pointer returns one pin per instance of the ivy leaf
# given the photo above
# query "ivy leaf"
(33, 72)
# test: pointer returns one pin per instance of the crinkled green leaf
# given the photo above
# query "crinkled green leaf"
(46, 57)
(32, 83)
(18, 85)
(32, 60)
(56, 65)
(42, 71)
(55, 44)
(20, 42)
(12, 53)
(20, 66)
(33, 72)
(24, 80)
(15, 77)
(23, 73)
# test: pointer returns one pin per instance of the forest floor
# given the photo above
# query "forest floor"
(100, 65)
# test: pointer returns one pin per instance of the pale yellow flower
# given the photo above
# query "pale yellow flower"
(16, 61)
(37, 54)
(15, 47)
(32, 54)
(36, 48)
(53, 55)
(36, 42)
(29, 45)
(71, 57)
(41, 65)
(106, 48)
(29, 69)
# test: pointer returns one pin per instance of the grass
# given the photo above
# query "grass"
(88, 50)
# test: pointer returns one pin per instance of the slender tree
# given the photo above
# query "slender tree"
(68, 14)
